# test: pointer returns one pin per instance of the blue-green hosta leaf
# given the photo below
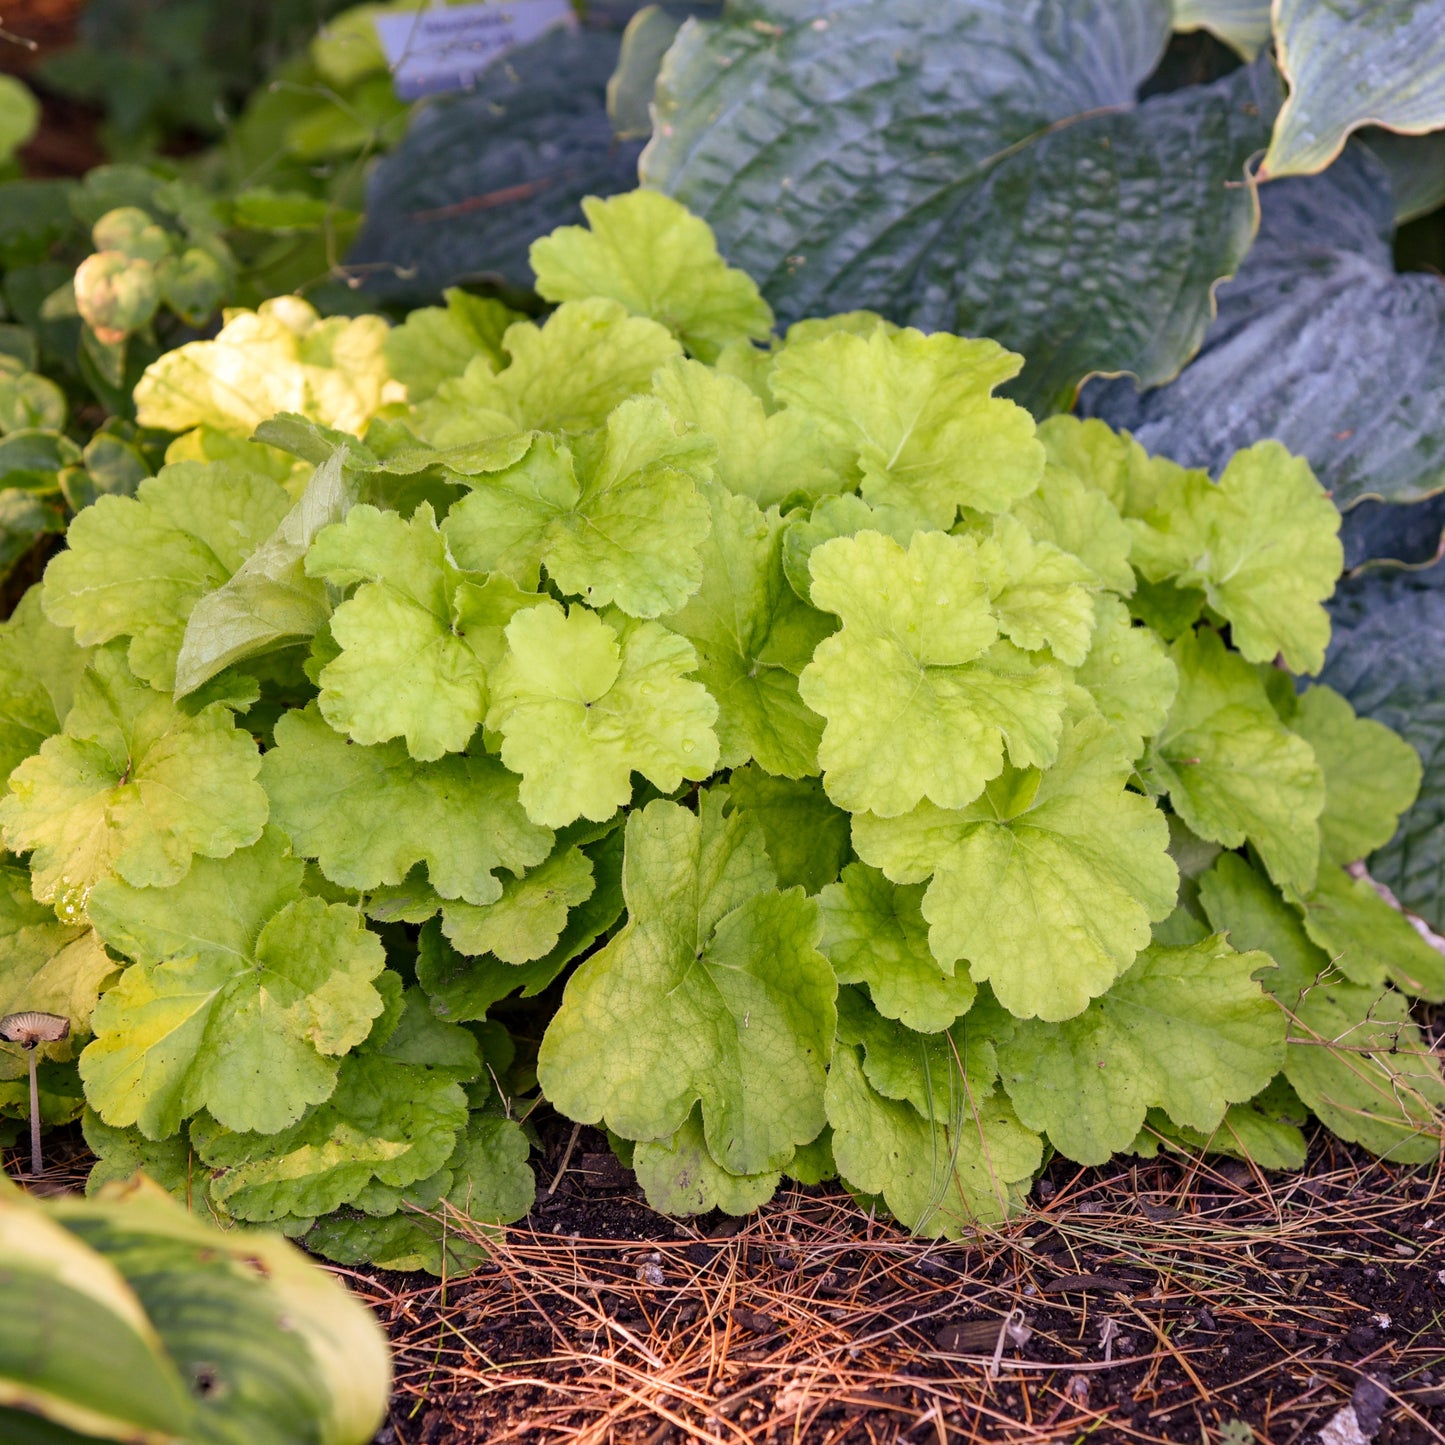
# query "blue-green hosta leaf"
(1353, 63)
(393, 1118)
(406, 666)
(1129, 674)
(919, 417)
(714, 991)
(1386, 658)
(1186, 1029)
(583, 701)
(680, 1176)
(367, 815)
(753, 637)
(918, 698)
(615, 517)
(940, 1175)
(490, 1184)
(1232, 770)
(131, 786)
(40, 666)
(1047, 884)
(769, 456)
(136, 566)
(1354, 1056)
(242, 996)
(1372, 775)
(1416, 164)
(647, 252)
(805, 835)
(566, 375)
(1001, 178)
(1346, 359)
(874, 933)
(1244, 24)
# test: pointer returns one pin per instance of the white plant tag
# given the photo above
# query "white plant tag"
(448, 46)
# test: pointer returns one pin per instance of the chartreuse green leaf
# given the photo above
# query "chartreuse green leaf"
(56, 970)
(1371, 775)
(136, 566)
(658, 260)
(567, 375)
(680, 1176)
(1047, 884)
(369, 814)
(874, 933)
(583, 701)
(436, 343)
(840, 516)
(40, 665)
(242, 996)
(1082, 521)
(714, 991)
(1232, 770)
(919, 414)
(1353, 63)
(917, 696)
(405, 667)
(1354, 1056)
(1366, 939)
(121, 1154)
(753, 637)
(805, 835)
(1268, 555)
(1129, 674)
(769, 457)
(525, 922)
(1184, 1029)
(615, 517)
(133, 786)
(1265, 1131)
(1041, 594)
(393, 1118)
(490, 1184)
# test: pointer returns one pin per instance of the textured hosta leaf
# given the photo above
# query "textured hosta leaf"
(40, 665)
(938, 1176)
(582, 702)
(491, 1184)
(1346, 359)
(526, 920)
(367, 815)
(918, 699)
(1352, 63)
(1000, 178)
(565, 375)
(919, 415)
(1416, 164)
(714, 991)
(269, 601)
(406, 668)
(136, 566)
(647, 252)
(1371, 775)
(1367, 940)
(1186, 1029)
(394, 1118)
(753, 637)
(1129, 674)
(531, 136)
(679, 1176)
(1232, 770)
(614, 517)
(54, 969)
(1387, 658)
(133, 786)
(874, 933)
(769, 457)
(242, 995)
(1047, 884)
(1244, 24)
(1354, 1057)
(805, 835)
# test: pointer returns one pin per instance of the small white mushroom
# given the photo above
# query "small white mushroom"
(31, 1029)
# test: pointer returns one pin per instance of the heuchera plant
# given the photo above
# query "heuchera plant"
(902, 789)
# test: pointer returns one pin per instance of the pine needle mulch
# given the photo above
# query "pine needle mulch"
(1170, 1300)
